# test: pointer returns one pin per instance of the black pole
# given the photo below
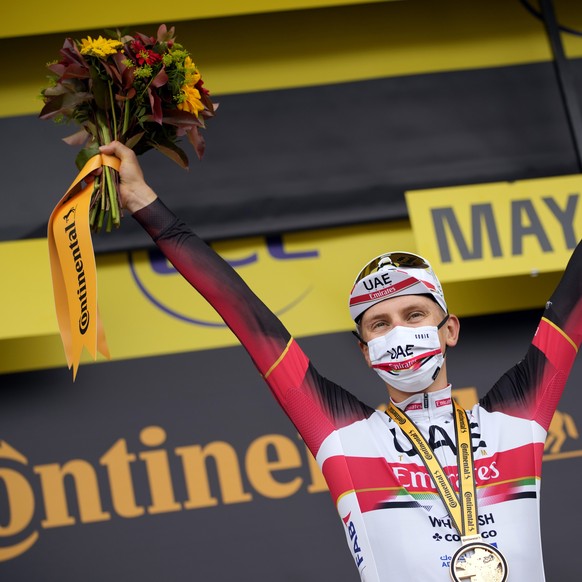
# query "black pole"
(565, 80)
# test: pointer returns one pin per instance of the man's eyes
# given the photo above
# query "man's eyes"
(412, 317)
(415, 315)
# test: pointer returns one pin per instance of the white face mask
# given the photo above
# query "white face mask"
(408, 358)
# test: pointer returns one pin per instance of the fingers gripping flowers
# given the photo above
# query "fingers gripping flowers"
(143, 91)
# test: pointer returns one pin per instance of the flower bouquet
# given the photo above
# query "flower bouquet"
(143, 91)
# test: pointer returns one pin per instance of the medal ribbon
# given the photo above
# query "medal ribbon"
(73, 268)
(462, 507)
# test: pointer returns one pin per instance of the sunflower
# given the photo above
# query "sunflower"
(190, 95)
(190, 100)
(100, 47)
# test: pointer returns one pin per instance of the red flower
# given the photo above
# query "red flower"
(144, 55)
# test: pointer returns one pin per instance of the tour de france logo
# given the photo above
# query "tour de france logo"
(562, 428)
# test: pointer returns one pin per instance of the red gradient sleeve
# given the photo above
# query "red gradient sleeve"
(286, 369)
(533, 387)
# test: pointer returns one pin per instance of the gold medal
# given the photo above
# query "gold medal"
(477, 561)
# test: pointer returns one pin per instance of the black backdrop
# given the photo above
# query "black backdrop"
(279, 161)
(217, 395)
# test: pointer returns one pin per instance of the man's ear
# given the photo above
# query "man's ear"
(452, 330)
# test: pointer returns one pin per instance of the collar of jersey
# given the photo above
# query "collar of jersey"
(431, 404)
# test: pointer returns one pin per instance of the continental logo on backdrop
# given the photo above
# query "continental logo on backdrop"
(72, 492)
(498, 229)
(137, 481)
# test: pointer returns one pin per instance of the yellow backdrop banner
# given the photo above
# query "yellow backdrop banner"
(73, 269)
(502, 229)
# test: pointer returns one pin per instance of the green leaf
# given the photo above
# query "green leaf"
(100, 90)
(134, 139)
(86, 154)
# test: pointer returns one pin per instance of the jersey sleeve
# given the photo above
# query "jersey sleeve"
(314, 404)
(533, 387)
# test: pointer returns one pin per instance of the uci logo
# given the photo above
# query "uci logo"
(277, 275)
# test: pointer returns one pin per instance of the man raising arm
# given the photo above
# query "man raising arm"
(395, 516)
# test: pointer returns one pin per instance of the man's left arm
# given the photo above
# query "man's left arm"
(533, 387)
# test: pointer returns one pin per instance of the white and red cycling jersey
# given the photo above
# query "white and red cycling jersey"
(397, 528)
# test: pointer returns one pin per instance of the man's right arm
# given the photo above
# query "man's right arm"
(315, 405)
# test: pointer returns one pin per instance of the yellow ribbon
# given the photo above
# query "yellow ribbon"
(73, 268)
